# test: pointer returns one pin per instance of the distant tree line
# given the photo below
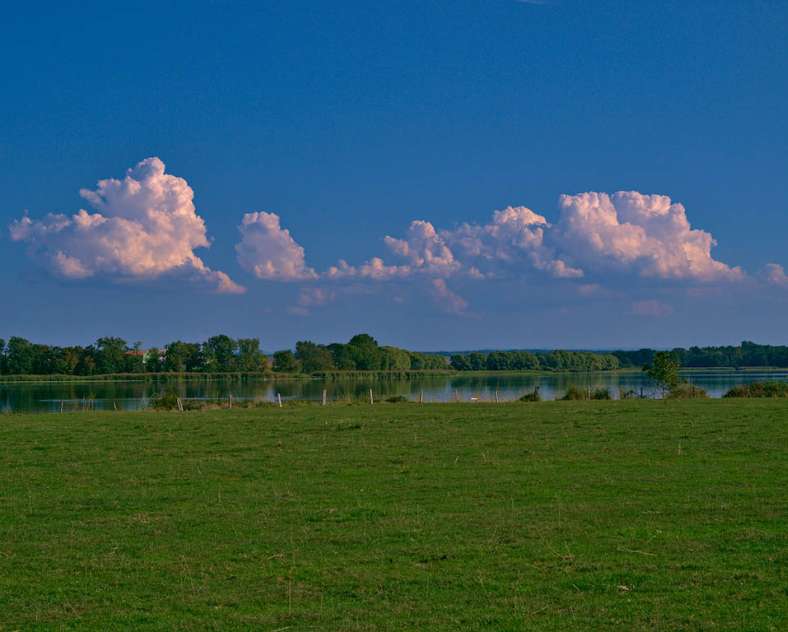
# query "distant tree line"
(534, 361)
(222, 354)
(747, 354)
(361, 353)
(219, 354)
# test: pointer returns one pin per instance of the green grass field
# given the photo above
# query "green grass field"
(643, 515)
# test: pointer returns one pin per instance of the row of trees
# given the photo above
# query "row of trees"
(222, 354)
(747, 354)
(219, 354)
(361, 353)
(526, 360)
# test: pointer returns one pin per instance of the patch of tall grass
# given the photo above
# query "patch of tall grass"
(575, 393)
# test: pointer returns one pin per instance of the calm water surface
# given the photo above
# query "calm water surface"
(133, 395)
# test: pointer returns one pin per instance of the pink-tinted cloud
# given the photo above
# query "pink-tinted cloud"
(648, 234)
(145, 227)
(446, 299)
(775, 275)
(269, 251)
(375, 269)
(425, 250)
(311, 297)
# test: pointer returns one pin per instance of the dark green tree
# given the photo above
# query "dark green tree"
(285, 362)
(219, 354)
(110, 355)
(459, 362)
(154, 360)
(182, 356)
(250, 358)
(394, 359)
(366, 352)
(342, 356)
(313, 357)
(19, 356)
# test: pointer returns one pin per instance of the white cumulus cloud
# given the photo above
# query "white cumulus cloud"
(269, 251)
(145, 227)
(649, 234)
(424, 249)
(595, 234)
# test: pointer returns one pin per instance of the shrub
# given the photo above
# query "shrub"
(601, 393)
(397, 399)
(574, 393)
(628, 394)
(167, 400)
(533, 396)
(759, 389)
(686, 391)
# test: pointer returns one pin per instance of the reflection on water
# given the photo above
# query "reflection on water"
(133, 395)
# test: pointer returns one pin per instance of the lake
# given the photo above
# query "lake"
(133, 395)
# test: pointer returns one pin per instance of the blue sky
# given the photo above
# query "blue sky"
(350, 120)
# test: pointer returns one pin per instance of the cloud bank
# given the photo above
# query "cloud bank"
(628, 233)
(597, 235)
(145, 227)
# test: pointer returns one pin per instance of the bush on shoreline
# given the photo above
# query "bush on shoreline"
(686, 391)
(759, 389)
(575, 393)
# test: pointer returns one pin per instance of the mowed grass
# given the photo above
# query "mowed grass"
(552, 516)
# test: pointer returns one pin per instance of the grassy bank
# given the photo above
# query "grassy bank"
(632, 515)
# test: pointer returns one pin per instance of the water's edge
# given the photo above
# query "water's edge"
(29, 396)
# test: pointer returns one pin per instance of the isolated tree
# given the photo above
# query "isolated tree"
(664, 370)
